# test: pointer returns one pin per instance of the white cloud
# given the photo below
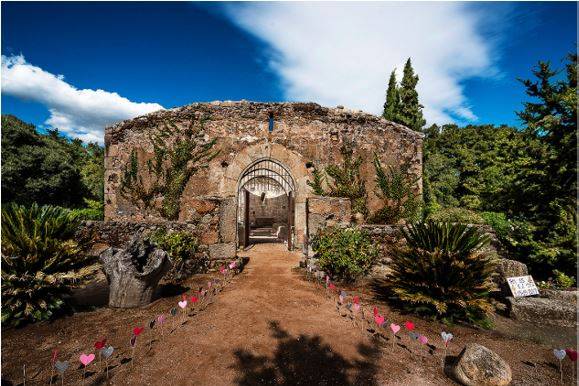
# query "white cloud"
(79, 113)
(342, 53)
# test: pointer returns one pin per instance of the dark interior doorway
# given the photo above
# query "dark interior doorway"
(266, 204)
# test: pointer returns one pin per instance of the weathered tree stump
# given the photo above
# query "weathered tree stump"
(134, 272)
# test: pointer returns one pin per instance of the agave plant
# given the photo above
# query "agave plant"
(443, 271)
(40, 259)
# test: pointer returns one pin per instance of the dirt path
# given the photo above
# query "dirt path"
(268, 327)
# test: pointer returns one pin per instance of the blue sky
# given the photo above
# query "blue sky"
(82, 66)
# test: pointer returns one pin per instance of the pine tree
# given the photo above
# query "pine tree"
(392, 99)
(409, 110)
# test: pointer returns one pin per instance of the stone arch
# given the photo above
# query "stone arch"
(296, 166)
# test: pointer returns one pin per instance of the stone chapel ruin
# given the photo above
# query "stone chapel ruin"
(237, 172)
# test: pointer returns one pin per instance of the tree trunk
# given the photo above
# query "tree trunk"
(134, 272)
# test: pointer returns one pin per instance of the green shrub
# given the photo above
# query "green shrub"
(499, 222)
(456, 215)
(94, 210)
(344, 253)
(563, 281)
(443, 273)
(182, 248)
(40, 260)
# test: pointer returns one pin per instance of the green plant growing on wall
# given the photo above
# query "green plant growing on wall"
(396, 188)
(344, 180)
(177, 156)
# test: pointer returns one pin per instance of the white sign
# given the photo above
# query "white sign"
(522, 286)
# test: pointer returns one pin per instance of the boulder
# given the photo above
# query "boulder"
(543, 311)
(476, 365)
(509, 268)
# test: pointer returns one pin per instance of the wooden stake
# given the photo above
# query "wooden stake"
(24, 373)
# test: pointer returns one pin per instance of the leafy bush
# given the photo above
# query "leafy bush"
(443, 273)
(456, 215)
(499, 222)
(94, 210)
(345, 253)
(563, 281)
(396, 189)
(182, 248)
(40, 259)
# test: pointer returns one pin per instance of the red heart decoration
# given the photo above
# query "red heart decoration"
(375, 311)
(572, 354)
(137, 330)
(332, 286)
(54, 355)
(194, 299)
(409, 325)
(379, 319)
(356, 300)
(100, 344)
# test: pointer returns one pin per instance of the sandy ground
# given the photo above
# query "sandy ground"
(268, 326)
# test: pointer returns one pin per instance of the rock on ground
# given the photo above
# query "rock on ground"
(478, 366)
(543, 311)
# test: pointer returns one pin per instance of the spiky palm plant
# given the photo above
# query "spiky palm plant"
(40, 259)
(443, 271)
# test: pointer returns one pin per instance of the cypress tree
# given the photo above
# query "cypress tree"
(410, 109)
(392, 99)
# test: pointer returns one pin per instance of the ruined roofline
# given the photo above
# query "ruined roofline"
(338, 110)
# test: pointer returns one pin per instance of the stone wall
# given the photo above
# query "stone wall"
(327, 211)
(305, 136)
(274, 208)
(216, 235)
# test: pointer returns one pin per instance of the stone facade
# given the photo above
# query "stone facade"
(305, 136)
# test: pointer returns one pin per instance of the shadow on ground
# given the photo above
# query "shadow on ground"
(306, 360)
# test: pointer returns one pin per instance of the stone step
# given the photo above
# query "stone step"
(543, 311)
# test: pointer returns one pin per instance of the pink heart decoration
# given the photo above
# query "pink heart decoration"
(327, 279)
(182, 303)
(341, 298)
(409, 325)
(422, 339)
(86, 359)
(232, 264)
(356, 307)
(379, 319)
(209, 284)
(394, 327)
(161, 319)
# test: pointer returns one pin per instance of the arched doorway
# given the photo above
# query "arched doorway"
(265, 204)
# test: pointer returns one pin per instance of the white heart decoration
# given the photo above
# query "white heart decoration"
(107, 351)
(446, 336)
(560, 354)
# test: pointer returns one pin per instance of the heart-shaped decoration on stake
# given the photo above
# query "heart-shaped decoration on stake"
(357, 306)
(173, 311)
(409, 325)
(86, 359)
(446, 337)
(182, 304)
(54, 356)
(209, 284)
(232, 265)
(332, 286)
(161, 319)
(394, 327)
(356, 300)
(379, 319)
(571, 354)
(106, 352)
(559, 354)
(61, 367)
(340, 299)
(100, 344)
(137, 330)
(375, 311)
(422, 339)
(414, 335)
(194, 299)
